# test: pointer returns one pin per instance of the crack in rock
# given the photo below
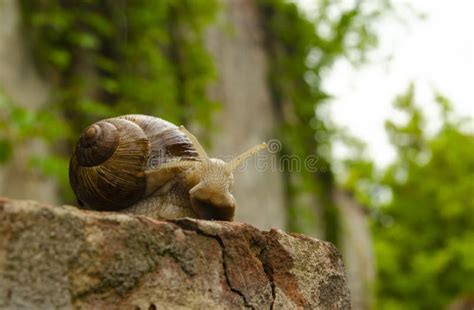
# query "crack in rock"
(185, 225)
(226, 272)
(269, 273)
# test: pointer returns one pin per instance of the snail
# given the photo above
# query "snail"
(146, 165)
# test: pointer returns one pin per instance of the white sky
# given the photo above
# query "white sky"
(437, 53)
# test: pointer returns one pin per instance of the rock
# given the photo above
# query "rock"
(63, 257)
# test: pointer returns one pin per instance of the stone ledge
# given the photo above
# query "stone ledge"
(63, 257)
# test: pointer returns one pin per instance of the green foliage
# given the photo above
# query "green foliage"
(302, 49)
(423, 234)
(6, 147)
(106, 58)
(110, 57)
(21, 126)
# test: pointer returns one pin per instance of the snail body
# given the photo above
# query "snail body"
(145, 165)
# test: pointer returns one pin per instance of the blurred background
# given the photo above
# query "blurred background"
(378, 93)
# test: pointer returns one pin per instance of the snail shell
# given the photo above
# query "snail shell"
(146, 165)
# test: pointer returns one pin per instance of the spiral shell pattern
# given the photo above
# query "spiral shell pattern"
(107, 169)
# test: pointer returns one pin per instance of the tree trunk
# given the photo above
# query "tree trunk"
(357, 250)
(22, 85)
(236, 43)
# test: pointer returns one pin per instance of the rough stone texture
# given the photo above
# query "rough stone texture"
(62, 257)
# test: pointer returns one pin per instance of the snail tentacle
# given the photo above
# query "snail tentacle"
(234, 163)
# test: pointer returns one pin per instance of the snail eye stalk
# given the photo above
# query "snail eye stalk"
(234, 163)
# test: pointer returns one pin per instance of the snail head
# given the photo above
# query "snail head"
(211, 180)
